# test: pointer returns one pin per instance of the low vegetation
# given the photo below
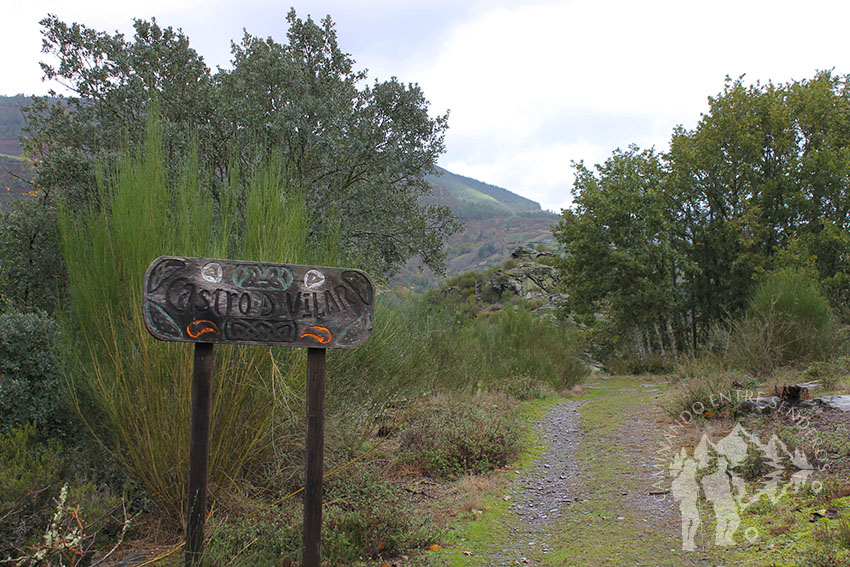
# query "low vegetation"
(733, 286)
(126, 394)
(449, 437)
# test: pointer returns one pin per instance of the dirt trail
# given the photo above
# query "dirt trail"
(586, 501)
(543, 492)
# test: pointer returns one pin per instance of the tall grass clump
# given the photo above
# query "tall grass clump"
(509, 344)
(788, 321)
(396, 362)
(132, 391)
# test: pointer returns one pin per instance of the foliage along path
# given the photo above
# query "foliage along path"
(584, 497)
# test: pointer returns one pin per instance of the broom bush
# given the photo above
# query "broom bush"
(132, 391)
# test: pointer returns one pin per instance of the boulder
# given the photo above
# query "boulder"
(522, 252)
(528, 280)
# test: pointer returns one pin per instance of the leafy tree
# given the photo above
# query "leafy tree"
(31, 268)
(114, 82)
(360, 152)
(621, 261)
(821, 111)
(760, 182)
(732, 178)
(758, 186)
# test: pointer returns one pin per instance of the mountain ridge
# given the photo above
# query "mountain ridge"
(497, 219)
(471, 198)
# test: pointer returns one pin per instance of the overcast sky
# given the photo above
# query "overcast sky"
(531, 85)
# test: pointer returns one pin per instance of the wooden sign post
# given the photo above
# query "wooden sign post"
(207, 301)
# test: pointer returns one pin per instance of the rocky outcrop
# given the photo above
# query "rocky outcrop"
(526, 277)
(529, 276)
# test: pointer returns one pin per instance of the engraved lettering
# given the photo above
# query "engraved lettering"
(330, 303)
(245, 304)
(203, 302)
(266, 308)
(345, 294)
(226, 301)
(217, 300)
(179, 294)
(293, 307)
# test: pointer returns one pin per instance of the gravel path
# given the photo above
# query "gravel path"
(587, 500)
(545, 489)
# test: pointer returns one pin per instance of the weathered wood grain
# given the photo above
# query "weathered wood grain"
(238, 302)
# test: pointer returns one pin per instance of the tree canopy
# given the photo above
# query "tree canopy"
(679, 240)
(359, 150)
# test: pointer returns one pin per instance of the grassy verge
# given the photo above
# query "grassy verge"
(807, 527)
(478, 522)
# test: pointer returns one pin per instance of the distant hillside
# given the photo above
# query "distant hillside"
(14, 170)
(11, 119)
(497, 221)
(473, 199)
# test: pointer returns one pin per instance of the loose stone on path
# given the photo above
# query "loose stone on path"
(542, 492)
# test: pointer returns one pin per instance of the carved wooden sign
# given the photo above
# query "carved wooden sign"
(238, 302)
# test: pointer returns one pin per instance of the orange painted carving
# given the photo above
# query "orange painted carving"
(200, 327)
(321, 334)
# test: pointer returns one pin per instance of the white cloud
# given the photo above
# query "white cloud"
(531, 84)
(508, 73)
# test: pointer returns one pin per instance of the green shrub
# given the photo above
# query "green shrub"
(76, 532)
(32, 274)
(249, 542)
(363, 516)
(133, 390)
(367, 517)
(709, 396)
(827, 372)
(396, 362)
(631, 363)
(33, 470)
(472, 355)
(446, 438)
(31, 387)
(30, 470)
(788, 321)
(521, 387)
(516, 342)
(697, 366)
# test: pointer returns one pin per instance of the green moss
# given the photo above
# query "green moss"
(490, 530)
(606, 528)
